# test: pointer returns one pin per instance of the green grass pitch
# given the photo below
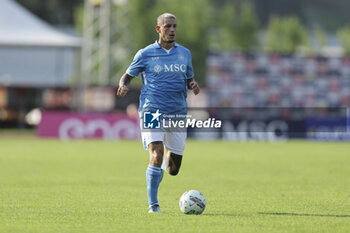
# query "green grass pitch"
(97, 186)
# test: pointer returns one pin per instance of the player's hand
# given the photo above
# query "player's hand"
(195, 87)
(122, 90)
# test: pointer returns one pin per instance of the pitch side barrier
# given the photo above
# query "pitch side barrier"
(234, 124)
(273, 124)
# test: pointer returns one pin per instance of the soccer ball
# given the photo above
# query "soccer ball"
(192, 202)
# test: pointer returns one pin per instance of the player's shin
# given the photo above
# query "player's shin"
(173, 163)
(153, 178)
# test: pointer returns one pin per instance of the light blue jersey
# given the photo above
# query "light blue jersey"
(164, 77)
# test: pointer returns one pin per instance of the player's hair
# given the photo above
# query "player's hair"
(164, 16)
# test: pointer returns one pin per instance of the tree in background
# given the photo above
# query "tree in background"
(79, 18)
(285, 35)
(221, 33)
(234, 27)
(246, 28)
(321, 39)
(318, 40)
(344, 38)
(274, 35)
(142, 23)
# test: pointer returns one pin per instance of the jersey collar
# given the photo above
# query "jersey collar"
(157, 45)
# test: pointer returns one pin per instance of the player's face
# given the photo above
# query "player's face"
(167, 30)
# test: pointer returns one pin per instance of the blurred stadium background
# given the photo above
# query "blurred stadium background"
(60, 62)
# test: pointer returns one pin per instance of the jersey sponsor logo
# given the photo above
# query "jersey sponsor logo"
(169, 68)
(175, 68)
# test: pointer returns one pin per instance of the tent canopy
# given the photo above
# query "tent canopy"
(19, 27)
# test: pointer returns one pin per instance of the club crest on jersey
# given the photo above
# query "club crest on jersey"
(157, 69)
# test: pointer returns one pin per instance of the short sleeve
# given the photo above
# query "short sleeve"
(137, 65)
(189, 72)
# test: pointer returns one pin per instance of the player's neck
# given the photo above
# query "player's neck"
(165, 45)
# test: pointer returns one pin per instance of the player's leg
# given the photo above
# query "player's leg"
(174, 143)
(154, 174)
(153, 142)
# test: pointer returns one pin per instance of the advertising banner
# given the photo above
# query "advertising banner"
(328, 129)
(74, 125)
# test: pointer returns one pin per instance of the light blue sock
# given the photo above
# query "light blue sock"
(153, 177)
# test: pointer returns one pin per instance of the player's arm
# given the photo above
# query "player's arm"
(123, 83)
(193, 85)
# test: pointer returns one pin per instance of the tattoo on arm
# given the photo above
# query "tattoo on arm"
(189, 80)
(125, 80)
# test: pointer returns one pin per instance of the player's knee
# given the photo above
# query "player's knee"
(156, 150)
(156, 159)
(157, 153)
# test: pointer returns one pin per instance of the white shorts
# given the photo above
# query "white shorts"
(173, 141)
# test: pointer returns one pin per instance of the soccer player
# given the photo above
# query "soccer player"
(167, 73)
